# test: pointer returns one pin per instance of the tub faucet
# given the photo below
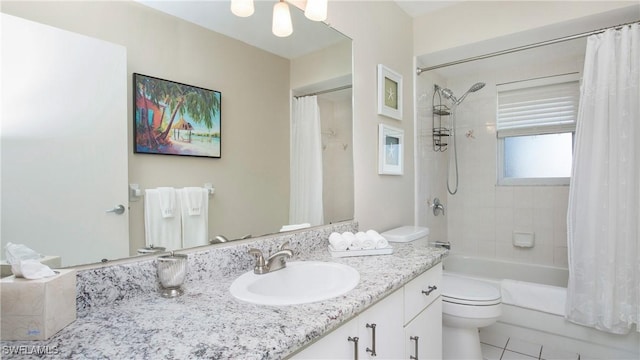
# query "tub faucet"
(276, 261)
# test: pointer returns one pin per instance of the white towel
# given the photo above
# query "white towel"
(167, 201)
(365, 241)
(338, 242)
(380, 241)
(195, 228)
(294, 227)
(351, 240)
(192, 199)
(160, 231)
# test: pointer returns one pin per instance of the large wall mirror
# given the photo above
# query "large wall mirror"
(199, 43)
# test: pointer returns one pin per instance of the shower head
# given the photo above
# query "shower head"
(475, 87)
(449, 94)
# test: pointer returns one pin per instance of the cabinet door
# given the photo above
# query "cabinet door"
(427, 328)
(335, 345)
(386, 317)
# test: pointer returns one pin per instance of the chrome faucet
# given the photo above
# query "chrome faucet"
(275, 262)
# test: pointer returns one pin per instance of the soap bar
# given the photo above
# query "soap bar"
(37, 309)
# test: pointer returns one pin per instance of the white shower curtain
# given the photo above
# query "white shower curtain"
(604, 197)
(306, 163)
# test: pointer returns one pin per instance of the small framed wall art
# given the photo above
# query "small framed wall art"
(175, 119)
(389, 93)
(390, 150)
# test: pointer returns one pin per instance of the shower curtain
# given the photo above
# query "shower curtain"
(604, 197)
(306, 163)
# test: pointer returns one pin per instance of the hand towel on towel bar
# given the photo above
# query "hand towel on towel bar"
(158, 229)
(195, 216)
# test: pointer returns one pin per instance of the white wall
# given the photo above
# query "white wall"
(472, 22)
(336, 116)
(381, 34)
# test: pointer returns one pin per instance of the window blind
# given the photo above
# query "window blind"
(540, 106)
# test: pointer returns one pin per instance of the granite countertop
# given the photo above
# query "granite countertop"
(208, 322)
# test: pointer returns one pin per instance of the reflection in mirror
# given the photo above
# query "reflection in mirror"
(44, 207)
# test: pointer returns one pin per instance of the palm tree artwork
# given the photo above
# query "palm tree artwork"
(174, 118)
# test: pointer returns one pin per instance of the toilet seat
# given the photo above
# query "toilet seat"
(468, 292)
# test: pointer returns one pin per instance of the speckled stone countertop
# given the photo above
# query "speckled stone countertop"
(208, 322)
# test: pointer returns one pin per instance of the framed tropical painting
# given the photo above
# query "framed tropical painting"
(171, 118)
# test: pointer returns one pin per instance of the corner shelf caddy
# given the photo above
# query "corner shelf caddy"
(439, 133)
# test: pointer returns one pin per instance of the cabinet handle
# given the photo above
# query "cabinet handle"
(429, 290)
(414, 338)
(355, 346)
(373, 339)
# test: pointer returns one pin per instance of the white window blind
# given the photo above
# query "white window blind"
(539, 106)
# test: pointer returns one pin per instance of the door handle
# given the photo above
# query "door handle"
(414, 338)
(373, 339)
(355, 346)
(118, 210)
(429, 290)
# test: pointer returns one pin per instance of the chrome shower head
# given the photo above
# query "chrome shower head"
(475, 87)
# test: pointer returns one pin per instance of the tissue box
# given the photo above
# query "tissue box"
(37, 309)
(53, 262)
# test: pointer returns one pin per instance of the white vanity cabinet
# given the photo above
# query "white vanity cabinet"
(423, 316)
(413, 311)
(423, 335)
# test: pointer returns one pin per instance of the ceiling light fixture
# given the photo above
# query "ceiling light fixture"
(281, 26)
(242, 8)
(316, 10)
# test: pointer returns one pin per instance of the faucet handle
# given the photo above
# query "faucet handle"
(284, 245)
(260, 267)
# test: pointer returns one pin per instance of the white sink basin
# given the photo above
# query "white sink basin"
(299, 283)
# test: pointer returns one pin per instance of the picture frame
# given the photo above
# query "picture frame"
(390, 150)
(172, 118)
(389, 93)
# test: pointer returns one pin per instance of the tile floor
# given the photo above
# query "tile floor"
(499, 347)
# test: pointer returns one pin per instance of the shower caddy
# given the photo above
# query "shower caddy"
(439, 133)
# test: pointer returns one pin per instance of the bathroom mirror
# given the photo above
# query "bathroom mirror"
(251, 179)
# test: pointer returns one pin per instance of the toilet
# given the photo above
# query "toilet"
(467, 305)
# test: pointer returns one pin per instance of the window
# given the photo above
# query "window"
(535, 126)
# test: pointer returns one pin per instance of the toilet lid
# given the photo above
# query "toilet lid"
(467, 291)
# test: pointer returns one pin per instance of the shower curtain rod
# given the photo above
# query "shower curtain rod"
(325, 91)
(420, 70)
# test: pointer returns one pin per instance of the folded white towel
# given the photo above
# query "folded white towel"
(294, 227)
(167, 197)
(338, 242)
(351, 240)
(365, 242)
(380, 241)
(192, 198)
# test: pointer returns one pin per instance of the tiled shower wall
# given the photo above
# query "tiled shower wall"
(482, 216)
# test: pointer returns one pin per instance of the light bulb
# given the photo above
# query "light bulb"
(281, 25)
(242, 8)
(316, 10)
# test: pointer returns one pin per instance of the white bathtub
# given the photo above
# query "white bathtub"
(533, 308)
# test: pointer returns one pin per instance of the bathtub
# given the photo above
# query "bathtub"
(533, 298)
